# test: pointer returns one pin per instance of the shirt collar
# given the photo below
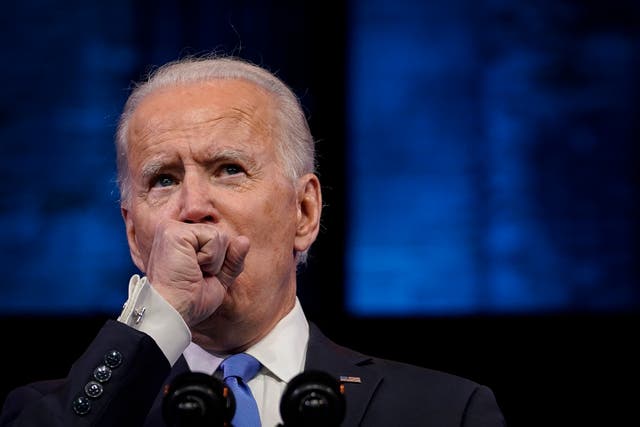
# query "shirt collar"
(282, 351)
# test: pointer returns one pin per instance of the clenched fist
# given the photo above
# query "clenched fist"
(192, 265)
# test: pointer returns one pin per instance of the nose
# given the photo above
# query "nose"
(196, 201)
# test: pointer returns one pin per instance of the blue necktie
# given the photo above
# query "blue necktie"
(237, 371)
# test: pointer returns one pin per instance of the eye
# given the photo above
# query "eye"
(163, 181)
(231, 169)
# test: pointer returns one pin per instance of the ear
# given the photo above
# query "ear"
(131, 238)
(309, 201)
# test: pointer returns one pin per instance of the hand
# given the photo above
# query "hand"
(192, 265)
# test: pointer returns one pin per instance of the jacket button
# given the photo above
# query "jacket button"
(102, 373)
(93, 389)
(81, 405)
(113, 359)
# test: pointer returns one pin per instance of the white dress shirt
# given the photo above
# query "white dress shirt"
(282, 352)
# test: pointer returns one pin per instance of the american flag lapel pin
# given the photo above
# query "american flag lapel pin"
(348, 379)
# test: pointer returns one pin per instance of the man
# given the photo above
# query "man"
(220, 203)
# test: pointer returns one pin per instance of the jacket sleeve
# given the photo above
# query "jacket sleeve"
(114, 383)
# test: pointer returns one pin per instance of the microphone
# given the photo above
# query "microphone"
(195, 399)
(313, 399)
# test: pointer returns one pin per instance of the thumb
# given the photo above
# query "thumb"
(234, 260)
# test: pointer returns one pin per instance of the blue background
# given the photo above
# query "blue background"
(487, 160)
(492, 157)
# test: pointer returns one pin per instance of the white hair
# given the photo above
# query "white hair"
(295, 145)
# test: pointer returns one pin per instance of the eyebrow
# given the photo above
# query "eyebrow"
(152, 168)
(228, 154)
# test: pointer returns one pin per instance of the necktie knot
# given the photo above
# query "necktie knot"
(240, 365)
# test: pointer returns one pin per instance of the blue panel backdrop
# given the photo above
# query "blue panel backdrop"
(64, 77)
(492, 157)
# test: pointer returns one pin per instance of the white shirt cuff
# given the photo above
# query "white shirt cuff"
(148, 312)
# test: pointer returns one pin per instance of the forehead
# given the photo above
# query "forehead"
(228, 103)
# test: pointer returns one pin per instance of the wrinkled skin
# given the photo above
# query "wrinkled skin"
(211, 218)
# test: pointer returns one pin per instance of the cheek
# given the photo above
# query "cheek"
(277, 218)
(145, 226)
(260, 215)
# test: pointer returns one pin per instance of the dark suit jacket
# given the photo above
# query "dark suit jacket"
(389, 394)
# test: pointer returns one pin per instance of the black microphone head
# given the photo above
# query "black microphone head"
(196, 399)
(312, 399)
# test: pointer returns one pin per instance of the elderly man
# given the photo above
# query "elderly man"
(221, 204)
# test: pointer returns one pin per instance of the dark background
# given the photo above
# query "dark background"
(68, 65)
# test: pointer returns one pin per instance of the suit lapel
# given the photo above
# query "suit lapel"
(324, 355)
